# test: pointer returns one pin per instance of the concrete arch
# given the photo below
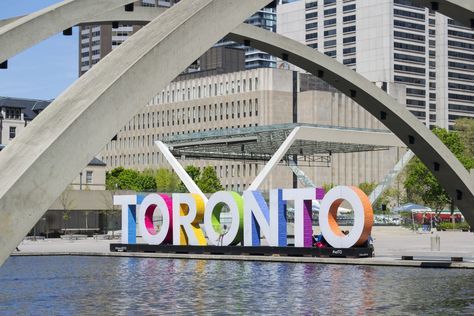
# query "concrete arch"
(452, 175)
(42, 160)
(73, 12)
(23, 32)
(45, 157)
(459, 9)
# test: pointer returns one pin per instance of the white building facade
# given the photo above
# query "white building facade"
(393, 41)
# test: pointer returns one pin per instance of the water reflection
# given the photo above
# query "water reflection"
(125, 286)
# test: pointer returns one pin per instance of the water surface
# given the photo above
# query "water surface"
(128, 286)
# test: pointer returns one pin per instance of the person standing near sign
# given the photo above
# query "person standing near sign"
(222, 233)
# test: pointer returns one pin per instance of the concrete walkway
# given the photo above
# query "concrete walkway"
(391, 243)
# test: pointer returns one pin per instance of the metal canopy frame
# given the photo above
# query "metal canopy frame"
(293, 132)
(313, 147)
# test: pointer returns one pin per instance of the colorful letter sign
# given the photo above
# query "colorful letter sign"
(251, 218)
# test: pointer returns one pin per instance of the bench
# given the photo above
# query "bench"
(73, 237)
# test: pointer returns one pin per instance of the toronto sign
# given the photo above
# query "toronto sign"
(186, 217)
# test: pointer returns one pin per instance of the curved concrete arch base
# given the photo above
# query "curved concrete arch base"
(38, 165)
(452, 175)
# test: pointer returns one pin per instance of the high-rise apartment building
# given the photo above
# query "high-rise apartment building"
(96, 41)
(265, 18)
(393, 41)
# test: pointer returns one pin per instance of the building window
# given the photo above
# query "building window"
(12, 132)
(88, 177)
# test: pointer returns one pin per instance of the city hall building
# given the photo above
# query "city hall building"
(249, 99)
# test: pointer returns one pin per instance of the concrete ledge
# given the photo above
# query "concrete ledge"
(389, 262)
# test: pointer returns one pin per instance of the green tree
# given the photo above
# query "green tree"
(465, 128)
(111, 178)
(367, 187)
(208, 182)
(194, 172)
(129, 180)
(116, 172)
(166, 181)
(421, 185)
(147, 183)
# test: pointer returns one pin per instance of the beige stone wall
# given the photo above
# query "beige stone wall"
(170, 113)
(336, 109)
(96, 182)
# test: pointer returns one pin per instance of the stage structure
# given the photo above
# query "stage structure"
(40, 162)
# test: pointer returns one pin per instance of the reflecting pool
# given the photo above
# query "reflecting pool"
(127, 286)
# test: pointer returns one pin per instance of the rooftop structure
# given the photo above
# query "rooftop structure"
(259, 143)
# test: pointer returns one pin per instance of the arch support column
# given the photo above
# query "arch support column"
(38, 165)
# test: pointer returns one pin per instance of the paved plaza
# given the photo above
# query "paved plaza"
(388, 241)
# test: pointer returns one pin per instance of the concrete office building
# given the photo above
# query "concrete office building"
(393, 41)
(243, 99)
(96, 41)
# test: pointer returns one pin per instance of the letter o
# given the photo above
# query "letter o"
(150, 204)
(211, 217)
(363, 217)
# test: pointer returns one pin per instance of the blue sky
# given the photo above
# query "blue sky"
(45, 70)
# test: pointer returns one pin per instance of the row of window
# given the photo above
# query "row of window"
(410, 80)
(459, 65)
(460, 55)
(416, 103)
(176, 94)
(195, 114)
(461, 45)
(459, 107)
(469, 98)
(409, 36)
(458, 86)
(418, 92)
(349, 61)
(349, 50)
(333, 32)
(419, 114)
(405, 68)
(311, 5)
(12, 114)
(461, 34)
(409, 25)
(453, 118)
(411, 58)
(409, 14)
(410, 47)
(460, 76)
